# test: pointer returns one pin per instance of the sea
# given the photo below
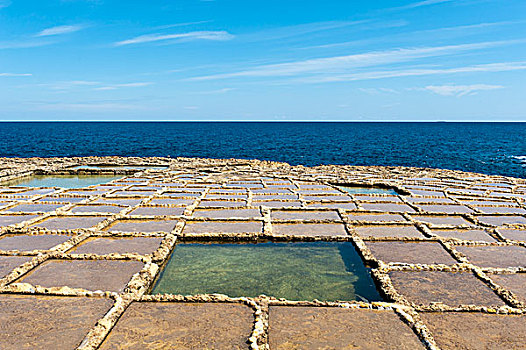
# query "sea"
(490, 148)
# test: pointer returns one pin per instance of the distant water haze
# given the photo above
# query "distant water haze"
(491, 148)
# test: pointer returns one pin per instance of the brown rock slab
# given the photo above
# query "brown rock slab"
(118, 201)
(411, 252)
(309, 229)
(142, 226)
(417, 200)
(448, 209)
(110, 209)
(515, 282)
(223, 227)
(388, 207)
(8, 263)
(331, 198)
(65, 199)
(164, 325)
(171, 201)
(227, 213)
(6, 220)
(133, 193)
(377, 198)
(471, 330)
(378, 231)
(466, 235)
(38, 322)
(70, 222)
(450, 288)
(225, 196)
(495, 256)
(337, 328)
(332, 205)
(275, 196)
(34, 208)
(106, 275)
(31, 242)
(277, 204)
(501, 210)
(221, 204)
(304, 215)
(442, 220)
(175, 211)
(121, 245)
(375, 217)
(516, 235)
(502, 220)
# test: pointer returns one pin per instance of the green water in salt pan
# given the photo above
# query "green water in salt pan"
(63, 181)
(295, 271)
(368, 190)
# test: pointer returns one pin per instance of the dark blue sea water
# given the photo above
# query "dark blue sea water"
(492, 148)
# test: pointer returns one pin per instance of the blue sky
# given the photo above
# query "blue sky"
(263, 60)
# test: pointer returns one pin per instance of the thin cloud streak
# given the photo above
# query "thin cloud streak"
(4, 3)
(175, 25)
(344, 63)
(16, 74)
(60, 30)
(190, 36)
(420, 4)
(94, 85)
(491, 67)
(24, 44)
(461, 90)
(462, 29)
(214, 92)
(89, 107)
(126, 85)
(298, 30)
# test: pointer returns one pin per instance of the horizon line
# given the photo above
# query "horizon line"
(263, 121)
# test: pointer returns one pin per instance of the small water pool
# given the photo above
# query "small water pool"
(64, 181)
(368, 190)
(295, 271)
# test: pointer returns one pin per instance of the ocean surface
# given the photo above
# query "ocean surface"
(491, 148)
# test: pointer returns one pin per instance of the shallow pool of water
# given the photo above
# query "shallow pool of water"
(295, 271)
(368, 190)
(64, 181)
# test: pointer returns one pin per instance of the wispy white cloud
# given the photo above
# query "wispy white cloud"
(425, 3)
(125, 85)
(217, 91)
(491, 67)
(303, 29)
(88, 106)
(67, 85)
(95, 85)
(461, 90)
(59, 30)
(419, 4)
(190, 36)
(380, 90)
(15, 74)
(24, 44)
(184, 24)
(342, 64)
(459, 30)
(482, 25)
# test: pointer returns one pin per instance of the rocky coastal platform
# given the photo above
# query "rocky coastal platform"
(447, 252)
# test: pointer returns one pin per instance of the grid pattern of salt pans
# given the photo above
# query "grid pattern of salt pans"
(449, 243)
